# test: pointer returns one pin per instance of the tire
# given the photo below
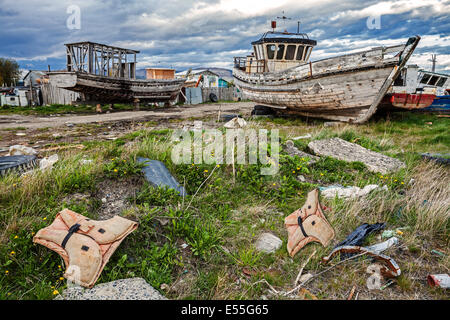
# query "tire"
(259, 110)
(213, 97)
(17, 164)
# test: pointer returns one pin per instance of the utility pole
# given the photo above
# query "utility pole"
(433, 60)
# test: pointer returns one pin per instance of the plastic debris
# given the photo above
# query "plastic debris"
(20, 150)
(439, 253)
(235, 123)
(47, 163)
(157, 174)
(391, 233)
(380, 247)
(357, 237)
(437, 157)
(439, 280)
(308, 136)
(347, 192)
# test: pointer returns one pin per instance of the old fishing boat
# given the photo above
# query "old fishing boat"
(350, 87)
(108, 74)
(439, 82)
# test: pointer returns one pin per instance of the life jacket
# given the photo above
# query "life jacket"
(84, 244)
(308, 224)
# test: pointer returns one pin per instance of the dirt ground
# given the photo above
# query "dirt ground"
(36, 132)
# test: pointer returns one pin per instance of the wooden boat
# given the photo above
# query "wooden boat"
(439, 82)
(347, 88)
(107, 74)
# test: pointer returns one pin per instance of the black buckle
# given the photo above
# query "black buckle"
(71, 231)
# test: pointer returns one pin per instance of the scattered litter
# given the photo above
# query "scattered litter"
(235, 123)
(437, 157)
(20, 150)
(77, 146)
(56, 135)
(292, 150)
(439, 253)
(391, 271)
(390, 282)
(308, 224)
(352, 292)
(157, 174)
(347, 151)
(84, 161)
(17, 164)
(331, 192)
(184, 245)
(70, 125)
(21, 134)
(383, 246)
(268, 243)
(91, 243)
(308, 136)
(357, 237)
(391, 233)
(306, 294)
(124, 289)
(301, 178)
(439, 280)
(47, 163)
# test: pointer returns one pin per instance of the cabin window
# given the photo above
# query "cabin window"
(441, 82)
(271, 51)
(280, 52)
(290, 52)
(261, 52)
(433, 80)
(256, 52)
(308, 52)
(300, 52)
(425, 78)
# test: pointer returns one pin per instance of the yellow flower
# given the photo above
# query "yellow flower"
(125, 172)
(218, 166)
(298, 168)
(61, 278)
(293, 171)
(206, 171)
(9, 293)
(6, 272)
(274, 184)
(115, 170)
(13, 253)
(32, 233)
(381, 177)
(14, 185)
(15, 237)
(55, 292)
(321, 174)
(395, 180)
(45, 218)
(403, 183)
(59, 267)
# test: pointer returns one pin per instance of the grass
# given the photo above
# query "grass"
(202, 246)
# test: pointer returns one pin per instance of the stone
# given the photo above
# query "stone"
(268, 243)
(347, 151)
(292, 150)
(125, 289)
(346, 192)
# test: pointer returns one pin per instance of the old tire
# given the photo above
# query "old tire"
(259, 110)
(213, 97)
(17, 164)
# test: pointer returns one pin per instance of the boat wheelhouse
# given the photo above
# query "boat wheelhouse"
(439, 82)
(349, 87)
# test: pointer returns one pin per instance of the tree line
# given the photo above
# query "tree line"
(9, 72)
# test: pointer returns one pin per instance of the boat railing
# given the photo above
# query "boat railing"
(250, 65)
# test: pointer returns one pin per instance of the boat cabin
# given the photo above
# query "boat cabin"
(277, 51)
(439, 81)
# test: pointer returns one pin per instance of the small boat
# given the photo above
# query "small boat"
(406, 92)
(439, 82)
(349, 88)
(108, 74)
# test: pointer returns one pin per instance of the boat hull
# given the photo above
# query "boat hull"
(346, 88)
(408, 101)
(110, 89)
(440, 104)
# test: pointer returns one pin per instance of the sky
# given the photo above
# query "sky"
(191, 34)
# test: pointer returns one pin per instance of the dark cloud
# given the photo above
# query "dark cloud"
(189, 33)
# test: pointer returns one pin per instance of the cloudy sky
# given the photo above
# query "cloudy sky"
(187, 33)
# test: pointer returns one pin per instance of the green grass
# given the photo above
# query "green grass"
(221, 223)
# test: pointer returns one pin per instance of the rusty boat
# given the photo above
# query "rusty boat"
(108, 74)
(349, 87)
